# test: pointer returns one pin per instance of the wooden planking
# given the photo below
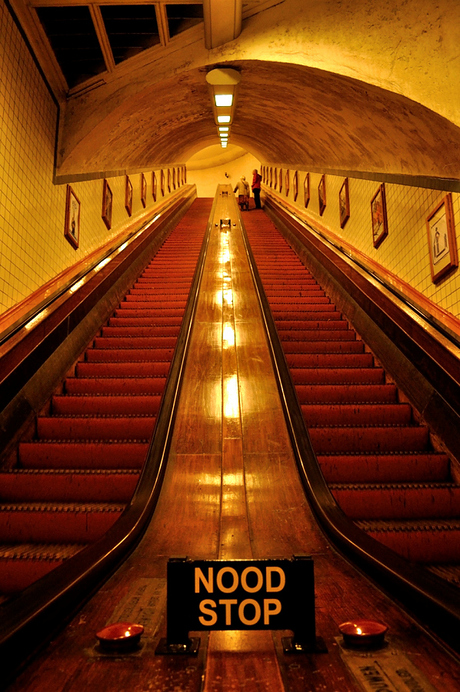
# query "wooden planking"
(239, 660)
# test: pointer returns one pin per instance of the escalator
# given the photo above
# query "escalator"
(377, 459)
(71, 481)
(200, 513)
(74, 474)
(381, 486)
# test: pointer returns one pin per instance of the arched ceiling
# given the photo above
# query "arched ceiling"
(291, 114)
(343, 85)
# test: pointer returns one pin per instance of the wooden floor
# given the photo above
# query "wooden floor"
(232, 491)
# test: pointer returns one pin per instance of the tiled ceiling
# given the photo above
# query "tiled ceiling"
(88, 39)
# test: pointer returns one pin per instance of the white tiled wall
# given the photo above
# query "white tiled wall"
(404, 252)
(33, 248)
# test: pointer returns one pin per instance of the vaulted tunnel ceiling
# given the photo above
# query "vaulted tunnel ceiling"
(325, 84)
(285, 113)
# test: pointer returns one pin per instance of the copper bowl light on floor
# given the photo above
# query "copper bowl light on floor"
(120, 637)
(363, 633)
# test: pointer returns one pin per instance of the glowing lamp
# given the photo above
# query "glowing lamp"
(223, 100)
(120, 636)
(367, 634)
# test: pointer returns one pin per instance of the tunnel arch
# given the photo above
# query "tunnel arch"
(287, 113)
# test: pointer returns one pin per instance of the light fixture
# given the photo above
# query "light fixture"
(223, 85)
(222, 100)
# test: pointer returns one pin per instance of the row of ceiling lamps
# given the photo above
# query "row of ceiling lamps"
(223, 84)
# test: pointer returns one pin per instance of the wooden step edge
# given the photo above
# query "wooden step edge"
(407, 526)
(442, 485)
(63, 507)
(88, 441)
(68, 471)
(40, 551)
(96, 416)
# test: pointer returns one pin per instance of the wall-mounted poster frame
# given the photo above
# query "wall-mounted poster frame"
(286, 182)
(154, 186)
(184, 179)
(441, 239)
(143, 190)
(72, 218)
(280, 180)
(344, 203)
(162, 182)
(169, 180)
(379, 216)
(173, 178)
(306, 190)
(275, 178)
(107, 204)
(128, 195)
(322, 194)
(295, 184)
(270, 182)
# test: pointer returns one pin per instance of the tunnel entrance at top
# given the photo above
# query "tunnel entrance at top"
(213, 166)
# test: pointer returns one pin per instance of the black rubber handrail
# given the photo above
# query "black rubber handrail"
(31, 618)
(434, 602)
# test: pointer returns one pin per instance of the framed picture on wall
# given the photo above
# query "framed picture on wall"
(280, 180)
(295, 184)
(162, 182)
(154, 186)
(344, 203)
(322, 194)
(173, 178)
(441, 239)
(72, 218)
(286, 182)
(306, 190)
(379, 216)
(184, 178)
(275, 178)
(270, 182)
(143, 190)
(128, 196)
(107, 204)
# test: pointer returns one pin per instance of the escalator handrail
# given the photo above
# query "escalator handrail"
(434, 602)
(32, 617)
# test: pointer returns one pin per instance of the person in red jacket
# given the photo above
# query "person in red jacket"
(256, 178)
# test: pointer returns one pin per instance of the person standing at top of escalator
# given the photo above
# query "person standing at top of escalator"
(256, 178)
(242, 188)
